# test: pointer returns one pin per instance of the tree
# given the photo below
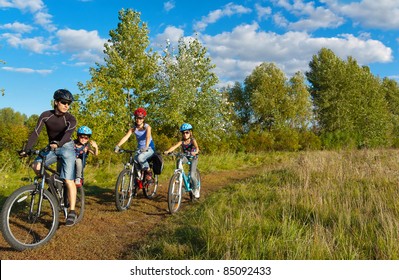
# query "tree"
(125, 82)
(390, 89)
(187, 92)
(242, 115)
(267, 88)
(301, 114)
(13, 131)
(350, 108)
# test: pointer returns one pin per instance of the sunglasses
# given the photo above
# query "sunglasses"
(139, 118)
(84, 136)
(64, 102)
(186, 132)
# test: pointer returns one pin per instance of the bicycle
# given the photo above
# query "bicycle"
(130, 180)
(30, 215)
(179, 182)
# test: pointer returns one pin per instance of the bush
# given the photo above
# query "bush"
(309, 141)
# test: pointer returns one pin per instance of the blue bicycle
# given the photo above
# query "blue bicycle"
(181, 183)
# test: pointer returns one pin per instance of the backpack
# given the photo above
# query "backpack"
(157, 163)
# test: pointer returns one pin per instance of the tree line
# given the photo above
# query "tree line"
(336, 104)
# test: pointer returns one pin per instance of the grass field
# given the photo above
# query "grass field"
(323, 205)
(307, 206)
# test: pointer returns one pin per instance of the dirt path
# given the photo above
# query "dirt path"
(105, 233)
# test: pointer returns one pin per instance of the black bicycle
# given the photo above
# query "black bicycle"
(30, 215)
(130, 180)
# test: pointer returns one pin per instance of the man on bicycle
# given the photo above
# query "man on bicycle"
(60, 125)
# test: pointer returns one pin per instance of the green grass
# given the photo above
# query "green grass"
(312, 205)
(319, 205)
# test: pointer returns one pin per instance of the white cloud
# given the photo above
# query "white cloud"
(171, 34)
(228, 10)
(17, 27)
(86, 45)
(44, 19)
(35, 44)
(370, 13)
(24, 5)
(28, 70)
(262, 12)
(309, 17)
(238, 52)
(168, 5)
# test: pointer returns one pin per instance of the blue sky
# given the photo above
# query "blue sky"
(48, 45)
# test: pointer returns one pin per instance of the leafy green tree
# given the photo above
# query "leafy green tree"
(13, 131)
(187, 92)
(390, 88)
(301, 116)
(125, 81)
(242, 111)
(351, 110)
(267, 88)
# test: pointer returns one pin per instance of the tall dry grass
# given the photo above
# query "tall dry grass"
(312, 205)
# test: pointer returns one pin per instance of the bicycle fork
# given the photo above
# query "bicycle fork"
(32, 214)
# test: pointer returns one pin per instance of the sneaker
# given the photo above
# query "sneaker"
(78, 182)
(148, 175)
(196, 193)
(71, 219)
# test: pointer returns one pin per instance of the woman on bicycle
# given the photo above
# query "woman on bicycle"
(145, 144)
(83, 147)
(190, 148)
(60, 125)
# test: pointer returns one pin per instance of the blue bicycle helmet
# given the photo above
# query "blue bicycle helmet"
(186, 126)
(84, 130)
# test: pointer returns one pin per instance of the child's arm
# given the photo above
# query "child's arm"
(171, 149)
(93, 148)
(196, 148)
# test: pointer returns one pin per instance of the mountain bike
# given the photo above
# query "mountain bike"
(30, 215)
(181, 182)
(130, 180)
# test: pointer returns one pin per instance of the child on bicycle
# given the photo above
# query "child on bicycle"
(145, 144)
(83, 147)
(190, 148)
(60, 124)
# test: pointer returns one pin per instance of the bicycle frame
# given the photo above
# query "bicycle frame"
(186, 177)
(135, 178)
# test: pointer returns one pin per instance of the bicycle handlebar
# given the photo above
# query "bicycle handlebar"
(180, 155)
(34, 152)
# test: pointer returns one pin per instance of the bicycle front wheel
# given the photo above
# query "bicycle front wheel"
(150, 190)
(23, 225)
(123, 190)
(174, 193)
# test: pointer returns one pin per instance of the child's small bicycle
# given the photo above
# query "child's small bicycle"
(178, 179)
(130, 180)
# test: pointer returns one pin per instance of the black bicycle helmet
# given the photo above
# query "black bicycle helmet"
(63, 94)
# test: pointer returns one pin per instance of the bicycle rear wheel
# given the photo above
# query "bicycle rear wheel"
(150, 190)
(21, 224)
(123, 190)
(174, 193)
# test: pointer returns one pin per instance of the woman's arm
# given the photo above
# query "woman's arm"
(123, 140)
(147, 137)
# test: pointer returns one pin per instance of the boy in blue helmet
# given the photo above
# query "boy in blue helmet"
(190, 148)
(83, 147)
